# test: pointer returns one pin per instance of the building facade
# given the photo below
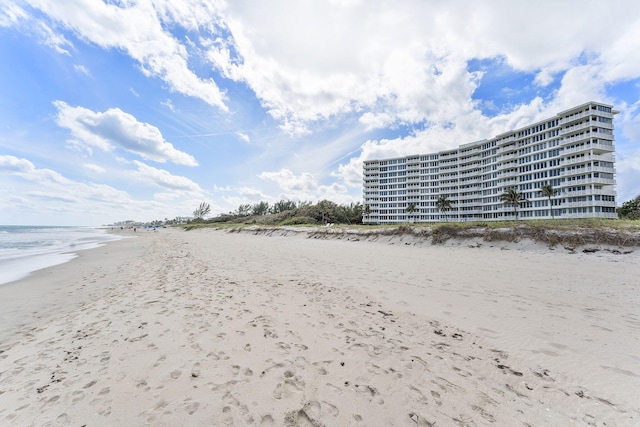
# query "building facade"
(572, 151)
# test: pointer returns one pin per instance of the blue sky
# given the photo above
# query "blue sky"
(143, 109)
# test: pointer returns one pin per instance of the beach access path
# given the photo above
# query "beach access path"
(208, 327)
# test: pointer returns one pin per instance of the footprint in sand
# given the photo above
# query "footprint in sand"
(290, 385)
(312, 414)
(370, 392)
(422, 421)
(419, 395)
(162, 358)
(195, 371)
(192, 407)
(267, 421)
(462, 372)
(78, 395)
(176, 374)
(484, 414)
(437, 397)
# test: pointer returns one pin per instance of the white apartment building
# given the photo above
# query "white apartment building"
(572, 151)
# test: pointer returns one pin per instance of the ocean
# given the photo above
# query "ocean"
(24, 249)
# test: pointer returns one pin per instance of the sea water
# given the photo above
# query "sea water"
(24, 249)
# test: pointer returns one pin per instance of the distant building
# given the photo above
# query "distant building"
(182, 219)
(572, 151)
(127, 223)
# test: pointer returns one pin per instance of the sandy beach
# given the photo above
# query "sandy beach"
(207, 327)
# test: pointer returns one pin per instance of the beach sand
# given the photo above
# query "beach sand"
(207, 327)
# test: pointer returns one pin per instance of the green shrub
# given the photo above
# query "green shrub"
(298, 220)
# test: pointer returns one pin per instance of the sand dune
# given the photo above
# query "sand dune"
(211, 328)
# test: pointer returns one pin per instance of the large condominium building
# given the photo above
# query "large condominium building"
(573, 152)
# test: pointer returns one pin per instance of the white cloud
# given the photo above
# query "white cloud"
(305, 187)
(400, 65)
(94, 168)
(76, 203)
(407, 65)
(53, 39)
(288, 182)
(136, 29)
(165, 179)
(319, 60)
(82, 69)
(232, 197)
(545, 77)
(115, 128)
(169, 104)
(62, 194)
(16, 165)
(243, 136)
(12, 15)
(24, 168)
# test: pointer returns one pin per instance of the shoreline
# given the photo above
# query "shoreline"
(212, 327)
(43, 291)
(46, 246)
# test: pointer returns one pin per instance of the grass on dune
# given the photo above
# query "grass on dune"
(565, 232)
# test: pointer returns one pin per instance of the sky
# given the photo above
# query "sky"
(140, 110)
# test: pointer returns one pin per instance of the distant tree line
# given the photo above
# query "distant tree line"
(287, 212)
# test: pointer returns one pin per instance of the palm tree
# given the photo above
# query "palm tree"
(443, 204)
(513, 198)
(411, 208)
(548, 191)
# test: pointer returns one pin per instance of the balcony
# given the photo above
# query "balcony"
(575, 117)
(575, 128)
(470, 182)
(606, 134)
(611, 215)
(510, 156)
(602, 169)
(575, 205)
(600, 147)
(577, 138)
(605, 203)
(603, 125)
(598, 180)
(565, 193)
(508, 181)
(470, 196)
